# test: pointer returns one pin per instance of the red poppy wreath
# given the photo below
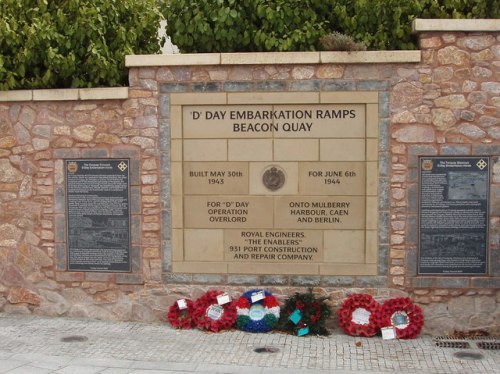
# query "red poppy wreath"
(208, 314)
(358, 315)
(181, 318)
(406, 317)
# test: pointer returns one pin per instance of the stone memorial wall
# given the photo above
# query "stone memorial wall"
(275, 170)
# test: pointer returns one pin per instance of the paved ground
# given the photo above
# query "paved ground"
(35, 345)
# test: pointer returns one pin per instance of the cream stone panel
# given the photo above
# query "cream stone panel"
(227, 121)
(216, 178)
(348, 269)
(372, 121)
(461, 25)
(342, 149)
(203, 245)
(212, 98)
(370, 57)
(262, 268)
(332, 178)
(371, 178)
(349, 97)
(228, 212)
(311, 212)
(177, 245)
(177, 211)
(273, 97)
(176, 179)
(345, 246)
(371, 212)
(205, 150)
(289, 169)
(296, 149)
(173, 59)
(327, 148)
(58, 94)
(176, 122)
(200, 267)
(250, 149)
(371, 247)
(321, 121)
(371, 149)
(270, 58)
(278, 246)
(16, 95)
(176, 150)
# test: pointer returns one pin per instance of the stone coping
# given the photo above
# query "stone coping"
(469, 25)
(275, 58)
(71, 94)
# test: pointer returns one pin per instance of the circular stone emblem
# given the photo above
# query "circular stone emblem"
(273, 178)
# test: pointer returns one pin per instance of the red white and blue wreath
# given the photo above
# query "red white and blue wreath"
(213, 314)
(257, 310)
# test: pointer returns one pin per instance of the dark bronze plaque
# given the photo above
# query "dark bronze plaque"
(453, 215)
(273, 178)
(98, 215)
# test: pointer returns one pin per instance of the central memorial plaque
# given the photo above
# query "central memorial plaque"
(276, 184)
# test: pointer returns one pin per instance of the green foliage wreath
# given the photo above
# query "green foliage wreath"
(313, 312)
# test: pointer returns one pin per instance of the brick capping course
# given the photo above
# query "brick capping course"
(424, 25)
(275, 58)
(66, 94)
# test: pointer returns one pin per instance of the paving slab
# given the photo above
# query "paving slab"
(34, 344)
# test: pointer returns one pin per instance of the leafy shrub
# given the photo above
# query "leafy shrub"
(73, 43)
(295, 25)
(243, 26)
(336, 41)
(380, 24)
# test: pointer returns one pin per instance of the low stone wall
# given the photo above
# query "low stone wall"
(442, 100)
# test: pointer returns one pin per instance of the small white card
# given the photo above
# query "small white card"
(182, 304)
(256, 296)
(388, 333)
(223, 299)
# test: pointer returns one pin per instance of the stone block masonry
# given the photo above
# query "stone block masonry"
(440, 101)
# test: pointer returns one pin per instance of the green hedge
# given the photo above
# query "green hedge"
(239, 26)
(294, 25)
(73, 43)
(83, 43)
